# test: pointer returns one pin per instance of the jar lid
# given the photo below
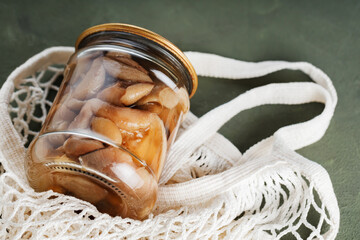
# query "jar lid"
(120, 27)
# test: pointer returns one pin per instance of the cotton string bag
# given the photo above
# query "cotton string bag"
(208, 189)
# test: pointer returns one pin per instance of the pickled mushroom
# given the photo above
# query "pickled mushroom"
(162, 95)
(183, 100)
(127, 119)
(150, 146)
(44, 149)
(80, 187)
(148, 182)
(136, 92)
(125, 58)
(107, 128)
(76, 146)
(152, 107)
(82, 120)
(125, 72)
(91, 82)
(112, 94)
(168, 98)
(61, 118)
(75, 104)
(56, 140)
(80, 67)
(169, 117)
(103, 159)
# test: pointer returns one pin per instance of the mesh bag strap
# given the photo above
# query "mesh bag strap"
(294, 136)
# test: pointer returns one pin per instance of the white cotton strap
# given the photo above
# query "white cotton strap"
(307, 133)
(211, 65)
(204, 188)
(296, 136)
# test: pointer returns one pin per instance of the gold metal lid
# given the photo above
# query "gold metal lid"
(120, 27)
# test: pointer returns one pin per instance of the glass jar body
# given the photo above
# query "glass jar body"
(106, 136)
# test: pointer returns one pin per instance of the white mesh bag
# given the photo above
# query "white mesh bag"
(208, 189)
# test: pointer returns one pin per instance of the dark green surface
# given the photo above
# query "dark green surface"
(325, 33)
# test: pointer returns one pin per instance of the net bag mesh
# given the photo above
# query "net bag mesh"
(279, 200)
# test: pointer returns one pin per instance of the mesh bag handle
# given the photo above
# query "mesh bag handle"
(294, 136)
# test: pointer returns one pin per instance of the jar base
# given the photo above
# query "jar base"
(106, 194)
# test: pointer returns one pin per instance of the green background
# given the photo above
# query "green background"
(325, 33)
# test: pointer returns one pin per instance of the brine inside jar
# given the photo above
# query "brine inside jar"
(116, 113)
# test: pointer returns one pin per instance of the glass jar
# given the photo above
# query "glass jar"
(124, 94)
